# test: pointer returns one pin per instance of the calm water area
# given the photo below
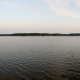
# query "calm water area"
(40, 58)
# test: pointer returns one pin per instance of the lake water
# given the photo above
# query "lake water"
(40, 58)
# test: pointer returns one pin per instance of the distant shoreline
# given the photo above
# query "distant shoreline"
(40, 34)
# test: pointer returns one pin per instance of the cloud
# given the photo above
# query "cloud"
(65, 7)
(23, 6)
(77, 2)
(12, 4)
(69, 8)
(74, 25)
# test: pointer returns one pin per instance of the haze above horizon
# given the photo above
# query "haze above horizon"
(39, 16)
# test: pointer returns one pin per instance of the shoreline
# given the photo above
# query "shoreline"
(40, 34)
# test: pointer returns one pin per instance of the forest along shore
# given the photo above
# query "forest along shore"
(40, 34)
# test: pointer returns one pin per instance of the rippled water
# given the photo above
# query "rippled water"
(39, 58)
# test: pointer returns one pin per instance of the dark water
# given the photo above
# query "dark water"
(39, 58)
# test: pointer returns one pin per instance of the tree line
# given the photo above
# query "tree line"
(40, 34)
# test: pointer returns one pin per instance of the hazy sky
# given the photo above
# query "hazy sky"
(48, 16)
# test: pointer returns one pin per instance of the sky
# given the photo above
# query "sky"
(39, 16)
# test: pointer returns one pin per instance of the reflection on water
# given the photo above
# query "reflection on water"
(39, 58)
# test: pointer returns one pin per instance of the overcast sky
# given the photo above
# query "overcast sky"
(39, 16)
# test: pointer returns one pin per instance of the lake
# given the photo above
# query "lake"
(40, 58)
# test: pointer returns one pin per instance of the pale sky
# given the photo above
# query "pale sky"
(39, 16)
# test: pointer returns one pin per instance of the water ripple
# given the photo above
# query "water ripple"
(39, 58)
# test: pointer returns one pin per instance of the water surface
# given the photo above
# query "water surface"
(40, 58)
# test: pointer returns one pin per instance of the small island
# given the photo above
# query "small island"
(40, 34)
